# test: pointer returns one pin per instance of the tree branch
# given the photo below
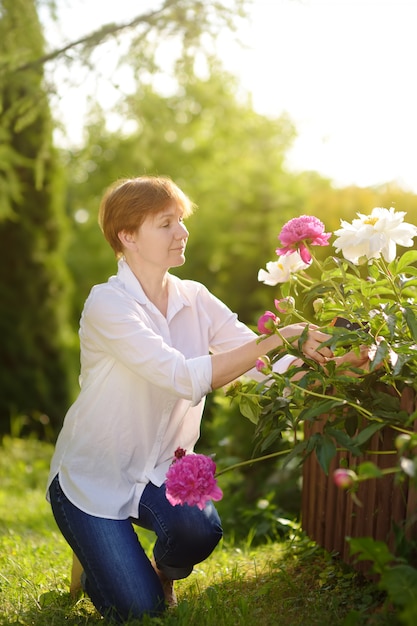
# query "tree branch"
(95, 37)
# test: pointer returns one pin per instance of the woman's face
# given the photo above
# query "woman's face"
(162, 238)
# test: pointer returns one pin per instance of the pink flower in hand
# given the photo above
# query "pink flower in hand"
(267, 323)
(300, 232)
(190, 480)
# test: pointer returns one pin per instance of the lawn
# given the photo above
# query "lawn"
(288, 583)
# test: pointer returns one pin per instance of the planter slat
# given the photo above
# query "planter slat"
(329, 514)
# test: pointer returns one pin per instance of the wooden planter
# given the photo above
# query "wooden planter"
(329, 514)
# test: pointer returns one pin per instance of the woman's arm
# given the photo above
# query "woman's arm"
(229, 365)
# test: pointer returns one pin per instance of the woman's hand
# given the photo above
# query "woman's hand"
(353, 359)
(350, 359)
(229, 365)
(311, 346)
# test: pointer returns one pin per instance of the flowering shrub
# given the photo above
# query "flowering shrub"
(364, 299)
(190, 480)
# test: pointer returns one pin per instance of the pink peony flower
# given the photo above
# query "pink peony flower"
(344, 478)
(267, 323)
(190, 480)
(300, 231)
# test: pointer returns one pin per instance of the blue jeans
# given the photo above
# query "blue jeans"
(119, 577)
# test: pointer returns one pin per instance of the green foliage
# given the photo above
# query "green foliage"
(397, 579)
(34, 295)
(292, 581)
(22, 104)
(352, 404)
(381, 300)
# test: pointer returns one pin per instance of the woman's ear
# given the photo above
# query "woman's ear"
(127, 239)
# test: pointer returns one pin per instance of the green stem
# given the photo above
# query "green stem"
(380, 452)
(384, 472)
(251, 461)
(303, 280)
(335, 286)
(298, 315)
(324, 396)
(383, 268)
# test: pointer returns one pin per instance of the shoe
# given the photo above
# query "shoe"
(167, 586)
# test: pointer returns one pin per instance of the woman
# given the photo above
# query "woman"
(152, 347)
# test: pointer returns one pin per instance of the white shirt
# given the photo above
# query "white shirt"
(143, 381)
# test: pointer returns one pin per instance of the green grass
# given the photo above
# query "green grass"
(293, 583)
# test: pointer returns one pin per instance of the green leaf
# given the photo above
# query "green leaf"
(405, 281)
(368, 549)
(367, 433)
(325, 451)
(401, 361)
(351, 424)
(409, 614)
(400, 582)
(311, 442)
(298, 450)
(250, 408)
(343, 440)
(368, 470)
(320, 408)
(391, 322)
(410, 318)
(408, 258)
(373, 271)
(270, 439)
(380, 355)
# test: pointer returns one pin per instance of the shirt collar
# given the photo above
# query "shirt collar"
(177, 291)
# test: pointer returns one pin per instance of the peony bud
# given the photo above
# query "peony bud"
(285, 305)
(402, 441)
(318, 305)
(263, 364)
(267, 323)
(179, 453)
(344, 478)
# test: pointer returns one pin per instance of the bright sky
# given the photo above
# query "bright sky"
(344, 70)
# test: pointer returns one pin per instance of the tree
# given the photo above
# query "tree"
(33, 278)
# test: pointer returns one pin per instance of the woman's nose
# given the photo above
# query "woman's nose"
(182, 231)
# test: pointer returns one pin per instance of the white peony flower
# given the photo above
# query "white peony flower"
(280, 271)
(374, 235)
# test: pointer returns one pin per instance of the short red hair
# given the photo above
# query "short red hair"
(128, 201)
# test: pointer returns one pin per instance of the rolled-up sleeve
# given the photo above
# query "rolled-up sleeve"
(200, 369)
